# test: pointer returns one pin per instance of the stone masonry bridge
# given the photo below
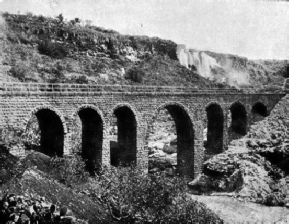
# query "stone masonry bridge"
(65, 110)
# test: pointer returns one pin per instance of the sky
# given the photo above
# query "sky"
(252, 28)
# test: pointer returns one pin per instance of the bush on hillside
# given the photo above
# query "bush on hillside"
(53, 50)
(10, 136)
(23, 139)
(41, 18)
(135, 74)
(166, 47)
(12, 37)
(11, 139)
(79, 79)
(69, 170)
(56, 76)
(275, 199)
(133, 196)
(24, 39)
(21, 71)
(96, 66)
(286, 72)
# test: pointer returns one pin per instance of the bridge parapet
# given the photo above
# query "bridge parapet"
(12, 87)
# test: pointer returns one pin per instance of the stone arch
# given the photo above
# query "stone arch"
(124, 151)
(132, 108)
(238, 118)
(215, 128)
(85, 106)
(53, 130)
(185, 136)
(92, 131)
(259, 111)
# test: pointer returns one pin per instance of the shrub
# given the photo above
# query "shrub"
(135, 74)
(11, 139)
(166, 47)
(96, 66)
(69, 170)
(221, 85)
(20, 71)
(14, 137)
(79, 79)
(57, 76)
(60, 18)
(53, 50)
(41, 18)
(132, 196)
(286, 72)
(275, 199)
(12, 37)
(11, 136)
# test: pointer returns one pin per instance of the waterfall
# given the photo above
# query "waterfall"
(208, 67)
(203, 62)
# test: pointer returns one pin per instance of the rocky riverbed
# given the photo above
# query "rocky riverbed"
(162, 145)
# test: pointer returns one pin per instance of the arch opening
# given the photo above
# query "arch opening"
(215, 127)
(51, 132)
(91, 139)
(171, 142)
(259, 111)
(238, 119)
(124, 143)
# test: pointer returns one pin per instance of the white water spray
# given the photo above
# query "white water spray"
(205, 63)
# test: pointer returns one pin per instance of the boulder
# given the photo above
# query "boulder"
(157, 145)
(170, 149)
(37, 159)
(157, 154)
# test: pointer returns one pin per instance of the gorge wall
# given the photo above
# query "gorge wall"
(235, 70)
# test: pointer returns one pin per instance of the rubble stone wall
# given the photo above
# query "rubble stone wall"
(17, 107)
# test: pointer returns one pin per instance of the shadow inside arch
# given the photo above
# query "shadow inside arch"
(238, 116)
(123, 145)
(214, 131)
(46, 130)
(91, 138)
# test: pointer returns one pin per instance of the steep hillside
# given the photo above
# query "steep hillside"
(40, 49)
(235, 70)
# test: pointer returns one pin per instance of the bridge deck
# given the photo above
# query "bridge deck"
(88, 88)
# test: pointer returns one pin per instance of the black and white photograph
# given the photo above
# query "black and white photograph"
(144, 111)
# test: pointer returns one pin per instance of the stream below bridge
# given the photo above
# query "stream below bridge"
(231, 210)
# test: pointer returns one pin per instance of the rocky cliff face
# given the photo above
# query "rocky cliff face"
(86, 39)
(42, 49)
(234, 70)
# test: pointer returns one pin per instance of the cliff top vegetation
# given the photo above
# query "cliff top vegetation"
(43, 49)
